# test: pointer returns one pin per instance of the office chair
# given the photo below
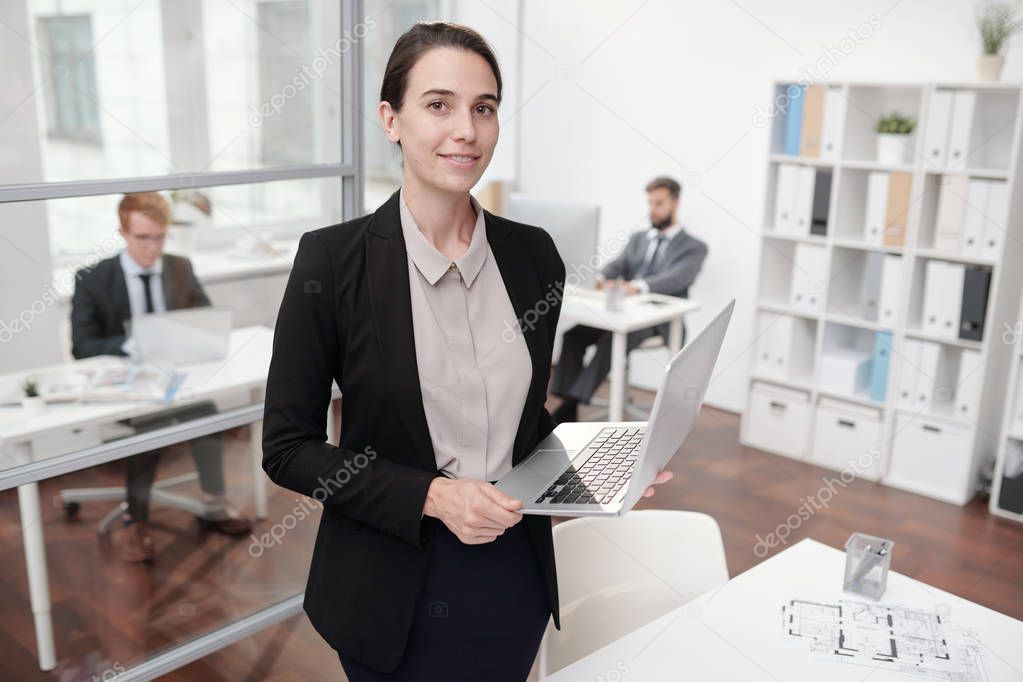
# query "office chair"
(71, 499)
(161, 491)
(618, 574)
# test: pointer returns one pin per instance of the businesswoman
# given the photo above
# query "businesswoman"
(422, 569)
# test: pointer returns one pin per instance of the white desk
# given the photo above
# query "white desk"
(64, 430)
(735, 632)
(640, 311)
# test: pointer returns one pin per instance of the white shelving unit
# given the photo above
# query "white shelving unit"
(843, 276)
(1007, 484)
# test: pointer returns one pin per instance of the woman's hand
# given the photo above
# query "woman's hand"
(662, 477)
(475, 511)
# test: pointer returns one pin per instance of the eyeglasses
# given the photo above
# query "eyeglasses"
(148, 238)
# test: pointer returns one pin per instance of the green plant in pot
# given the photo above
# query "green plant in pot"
(191, 211)
(31, 401)
(997, 22)
(893, 132)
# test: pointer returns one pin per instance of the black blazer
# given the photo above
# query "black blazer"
(347, 315)
(100, 304)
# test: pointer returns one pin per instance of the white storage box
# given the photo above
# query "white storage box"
(848, 437)
(778, 420)
(932, 457)
(845, 371)
(1017, 420)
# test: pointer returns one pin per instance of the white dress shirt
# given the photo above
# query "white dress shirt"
(474, 381)
(669, 233)
(137, 292)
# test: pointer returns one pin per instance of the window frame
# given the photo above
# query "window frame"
(56, 99)
(349, 169)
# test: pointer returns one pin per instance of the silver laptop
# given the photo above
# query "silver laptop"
(183, 337)
(603, 468)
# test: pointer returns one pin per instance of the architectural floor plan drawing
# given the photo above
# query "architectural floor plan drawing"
(885, 635)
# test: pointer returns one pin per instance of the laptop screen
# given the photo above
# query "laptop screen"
(183, 337)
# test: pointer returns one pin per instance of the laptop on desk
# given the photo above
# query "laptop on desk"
(184, 336)
(603, 468)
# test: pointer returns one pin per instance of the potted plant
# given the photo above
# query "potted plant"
(191, 210)
(997, 22)
(33, 403)
(893, 133)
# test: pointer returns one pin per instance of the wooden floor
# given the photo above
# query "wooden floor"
(109, 616)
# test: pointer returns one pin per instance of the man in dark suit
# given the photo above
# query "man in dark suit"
(142, 279)
(662, 259)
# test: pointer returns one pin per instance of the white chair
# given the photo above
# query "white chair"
(618, 574)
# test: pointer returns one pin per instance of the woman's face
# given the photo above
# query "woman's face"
(448, 124)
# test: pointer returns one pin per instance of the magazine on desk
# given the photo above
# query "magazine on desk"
(103, 380)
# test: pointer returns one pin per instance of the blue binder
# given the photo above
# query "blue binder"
(879, 367)
(794, 119)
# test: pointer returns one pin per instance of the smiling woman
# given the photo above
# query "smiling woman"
(438, 103)
(422, 570)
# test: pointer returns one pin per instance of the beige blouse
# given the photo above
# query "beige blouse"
(474, 382)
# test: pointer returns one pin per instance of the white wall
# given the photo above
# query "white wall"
(616, 93)
(497, 21)
(28, 323)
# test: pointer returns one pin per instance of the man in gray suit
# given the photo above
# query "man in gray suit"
(139, 280)
(662, 259)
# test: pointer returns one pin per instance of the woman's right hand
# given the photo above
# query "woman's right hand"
(475, 511)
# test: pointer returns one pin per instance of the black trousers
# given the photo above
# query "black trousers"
(207, 452)
(571, 378)
(481, 616)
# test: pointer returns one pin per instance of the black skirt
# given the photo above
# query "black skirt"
(481, 615)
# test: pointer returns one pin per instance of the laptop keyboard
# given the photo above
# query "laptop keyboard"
(603, 474)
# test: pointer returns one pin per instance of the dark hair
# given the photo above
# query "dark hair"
(664, 182)
(420, 39)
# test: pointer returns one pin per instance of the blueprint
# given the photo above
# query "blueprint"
(887, 636)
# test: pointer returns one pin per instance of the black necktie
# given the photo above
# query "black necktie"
(649, 265)
(149, 292)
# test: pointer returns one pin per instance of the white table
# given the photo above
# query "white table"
(239, 381)
(639, 311)
(735, 632)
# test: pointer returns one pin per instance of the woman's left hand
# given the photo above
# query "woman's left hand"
(662, 477)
